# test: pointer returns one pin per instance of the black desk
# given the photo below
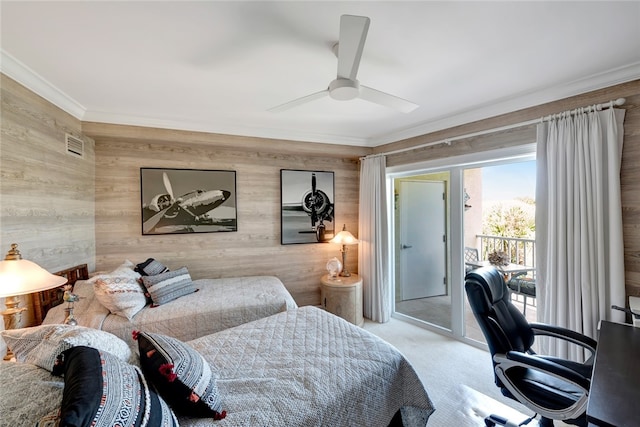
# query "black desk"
(614, 398)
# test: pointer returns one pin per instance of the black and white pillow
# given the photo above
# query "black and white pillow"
(120, 291)
(151, 267)
(40, 345)
(102, 391)
(168, 286)
(180, 374)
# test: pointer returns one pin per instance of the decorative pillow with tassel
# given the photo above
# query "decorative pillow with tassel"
(180, 374)
(102, 391)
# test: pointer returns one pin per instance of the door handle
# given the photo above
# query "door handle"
(405, 246)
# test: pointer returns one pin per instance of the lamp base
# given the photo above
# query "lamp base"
(12, 316)
(344, 272)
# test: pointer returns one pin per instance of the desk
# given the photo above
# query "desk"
(614, 394)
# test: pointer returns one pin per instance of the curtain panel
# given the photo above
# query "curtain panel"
(373, 233)
(579, 248)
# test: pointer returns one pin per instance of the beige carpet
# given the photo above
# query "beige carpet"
(457, 376)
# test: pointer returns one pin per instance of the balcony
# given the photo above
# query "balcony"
(437, 310)
(520, 251)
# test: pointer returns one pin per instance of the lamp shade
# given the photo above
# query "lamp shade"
(19, 277)
(344, 238)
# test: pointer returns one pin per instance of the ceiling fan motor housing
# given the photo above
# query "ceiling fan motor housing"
(344, 89)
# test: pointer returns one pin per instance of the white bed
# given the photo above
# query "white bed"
(219, 304)
(301, 367)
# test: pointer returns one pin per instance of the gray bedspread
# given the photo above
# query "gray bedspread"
(27, 394)
(307, 367)
(218, 305)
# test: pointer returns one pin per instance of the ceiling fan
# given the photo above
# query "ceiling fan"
(353, 33)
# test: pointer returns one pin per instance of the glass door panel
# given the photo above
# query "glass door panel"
(499, 217)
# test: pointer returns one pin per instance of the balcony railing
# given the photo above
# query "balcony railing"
(521, 251)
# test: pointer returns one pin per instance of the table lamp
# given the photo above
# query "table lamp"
(19, 277)
(344, 238)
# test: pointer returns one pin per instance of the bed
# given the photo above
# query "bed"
(300, 367)
(217, 305)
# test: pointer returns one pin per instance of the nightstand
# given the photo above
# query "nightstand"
(342, 296)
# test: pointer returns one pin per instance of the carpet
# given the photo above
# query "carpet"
(457, 376)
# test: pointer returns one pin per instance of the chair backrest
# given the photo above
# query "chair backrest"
(503, 325)
(470, 254)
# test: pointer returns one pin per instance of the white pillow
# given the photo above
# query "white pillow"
(120, 291)
(41, 345)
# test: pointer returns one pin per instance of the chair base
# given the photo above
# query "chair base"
(493, 420)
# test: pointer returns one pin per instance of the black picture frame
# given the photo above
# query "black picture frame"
(179, 201)
(307, 206)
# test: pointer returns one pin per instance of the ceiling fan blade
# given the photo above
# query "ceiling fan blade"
(391, 101)
(353, 33)
(299, 101)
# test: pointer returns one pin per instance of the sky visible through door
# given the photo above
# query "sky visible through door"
(510, 181)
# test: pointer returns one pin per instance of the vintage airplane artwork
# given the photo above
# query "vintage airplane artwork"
(307, 206)
(187, 213)
(317, 205)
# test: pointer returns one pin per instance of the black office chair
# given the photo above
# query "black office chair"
(553, 387)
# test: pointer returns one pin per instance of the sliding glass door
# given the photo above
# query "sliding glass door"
(439, 212)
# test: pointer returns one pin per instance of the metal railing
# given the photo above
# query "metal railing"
(520, 251)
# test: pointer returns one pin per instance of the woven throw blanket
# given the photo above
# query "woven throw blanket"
(307, 367)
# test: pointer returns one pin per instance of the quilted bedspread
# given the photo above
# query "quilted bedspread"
(219, 304)
(307, 367)
(27, 394)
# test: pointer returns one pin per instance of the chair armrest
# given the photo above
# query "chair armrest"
(565, 334)
(525, 360)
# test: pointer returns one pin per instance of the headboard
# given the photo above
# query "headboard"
(45, 300)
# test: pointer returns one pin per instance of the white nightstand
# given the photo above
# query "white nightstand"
(342, 296)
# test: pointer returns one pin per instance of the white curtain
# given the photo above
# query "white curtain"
(579, 248)
(373, 250)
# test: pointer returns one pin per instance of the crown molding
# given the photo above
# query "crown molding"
(532, 98)
(224, 129)
(39, 85)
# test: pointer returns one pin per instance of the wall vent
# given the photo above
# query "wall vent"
(75, 146)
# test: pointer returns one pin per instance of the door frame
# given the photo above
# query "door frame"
(455, 236)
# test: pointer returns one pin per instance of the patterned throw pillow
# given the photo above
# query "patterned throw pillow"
(180, 374)
(40, 345)
(168, 286)
(120, 292)
(102, 391)
(151, 267)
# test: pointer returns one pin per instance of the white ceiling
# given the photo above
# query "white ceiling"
(219, 66)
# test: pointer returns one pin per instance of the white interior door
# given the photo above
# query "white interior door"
(422, 239)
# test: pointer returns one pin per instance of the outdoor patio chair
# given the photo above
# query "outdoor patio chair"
(470, 255)
(522, 285)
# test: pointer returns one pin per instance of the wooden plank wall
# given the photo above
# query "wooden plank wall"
(46, 195)
(255, 248)
(629, 174)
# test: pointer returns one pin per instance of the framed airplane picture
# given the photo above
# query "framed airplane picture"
(175, 201)
(307, 210)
